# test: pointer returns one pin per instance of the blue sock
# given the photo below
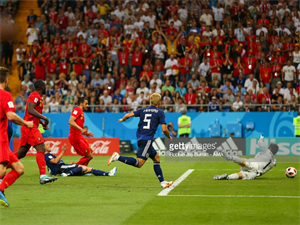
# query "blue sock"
(99, 172)
(129, 160)
(75, 171)
(158, 171)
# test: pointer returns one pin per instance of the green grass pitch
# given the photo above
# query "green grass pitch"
(132, 196)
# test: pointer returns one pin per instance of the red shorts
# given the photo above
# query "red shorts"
(80, 145)
(32, 136)
(7, 155)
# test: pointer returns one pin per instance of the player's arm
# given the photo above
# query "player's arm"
(13, 117)
(126, 117)
(58, 158)
(33, 112)
(166, 131)
(73, 124)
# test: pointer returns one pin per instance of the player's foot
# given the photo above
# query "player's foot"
(166, 184)
(3, 200)
(63, 175)
(115, 156)
(87, 174)
(113, 172)
(261, 138)
(221, 177)
(46, 179)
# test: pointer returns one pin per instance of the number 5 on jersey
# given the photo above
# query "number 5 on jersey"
(148, 121)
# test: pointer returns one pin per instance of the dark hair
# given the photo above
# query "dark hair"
(81, 100)
(3, 74)
(39, 85)
(274, 148)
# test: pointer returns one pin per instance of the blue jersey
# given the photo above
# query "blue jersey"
(52, 168)
(150, 119)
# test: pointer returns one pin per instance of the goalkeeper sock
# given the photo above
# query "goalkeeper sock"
(129, 160)
(99, 172)
(75, 171)
(233, 177)
(158, 171)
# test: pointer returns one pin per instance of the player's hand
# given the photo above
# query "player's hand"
(120, 120)
(84, 132)
(29, 124)
(89, 134)
(64, 148)
(45, 127)
(170, 139)
(46, 121)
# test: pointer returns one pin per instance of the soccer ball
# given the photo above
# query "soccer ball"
(290, 172)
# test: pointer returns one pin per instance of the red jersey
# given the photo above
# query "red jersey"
(267, 97)
(250, 65)
(171, 31)
(137, 59)
(186, 63)
(190, 98)
(6, 105)
(51, 67)
(78, 114)
(266, 74)
(206, 88)
(264, 22)
(281, 59)
(289, 47)
(216, 62)
(35, 98)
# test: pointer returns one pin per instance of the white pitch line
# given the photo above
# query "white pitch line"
(233, 196)
(234, 170)
(176, 182)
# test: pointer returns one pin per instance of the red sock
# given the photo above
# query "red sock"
(40, 159)
(9, 179)
(83, 161)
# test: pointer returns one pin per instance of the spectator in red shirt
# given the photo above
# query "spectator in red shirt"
(62, 20)
(137, 61)
(264, 21)
(51, 68)
(185, 65)
(265, 74)
(190, 98)
(265, 94)
(146, 74)
(250, 64)
(215, 66)
(40, 70)
(90, 15)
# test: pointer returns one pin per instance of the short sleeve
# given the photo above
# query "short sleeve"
(76, 113)
(162, 118)
(48, 158)
(137, 113)
(9, 104)
(33, 99)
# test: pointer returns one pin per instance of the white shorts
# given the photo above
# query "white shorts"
(249, 171)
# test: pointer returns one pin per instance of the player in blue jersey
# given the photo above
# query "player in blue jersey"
(150, 119)
(57, 166)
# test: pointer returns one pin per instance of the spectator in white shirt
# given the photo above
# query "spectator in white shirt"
(207, 18)
(288, 73)
(260, 28)
(32, 33)
(156, 80)
(183, 12)
(159, 49)
(20, 51)
(204, 68)
(69, 13)
(249, 82)
(107, 99)
(169, 64)
(282, 29)
(138, 24)
(218, 12)
(143, 89)
(237, 105)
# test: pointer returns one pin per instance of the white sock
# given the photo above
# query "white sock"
(233, 177)
(42, 175)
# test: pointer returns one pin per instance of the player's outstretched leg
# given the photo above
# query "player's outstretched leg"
(80, 170)
(83, 161)
(40, 159)
(234, 176)
(9, 179)
(127, 160)
(159, 173)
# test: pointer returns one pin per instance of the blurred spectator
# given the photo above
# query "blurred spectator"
(237, 105)
(214, 105)
(106, 98)
(26, 82)
(279, 105)
(20, 101)
(66, 108)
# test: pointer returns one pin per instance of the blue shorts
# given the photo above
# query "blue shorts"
(145, 150)
(65, 168)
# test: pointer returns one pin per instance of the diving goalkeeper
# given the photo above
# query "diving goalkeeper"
(252, 168)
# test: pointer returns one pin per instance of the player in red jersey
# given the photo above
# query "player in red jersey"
(7, 157)
(76, 139)
(33, 137)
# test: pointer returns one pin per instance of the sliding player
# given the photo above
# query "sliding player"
(255, 167)
(33, 137)
(150, 118)
(57, 166)
(76, 139)
(7, 157)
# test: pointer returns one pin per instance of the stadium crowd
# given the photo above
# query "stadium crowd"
(222, 55)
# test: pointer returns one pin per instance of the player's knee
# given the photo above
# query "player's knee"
(20, 169)
(3, 172)
(156, 159)
(21, 154)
